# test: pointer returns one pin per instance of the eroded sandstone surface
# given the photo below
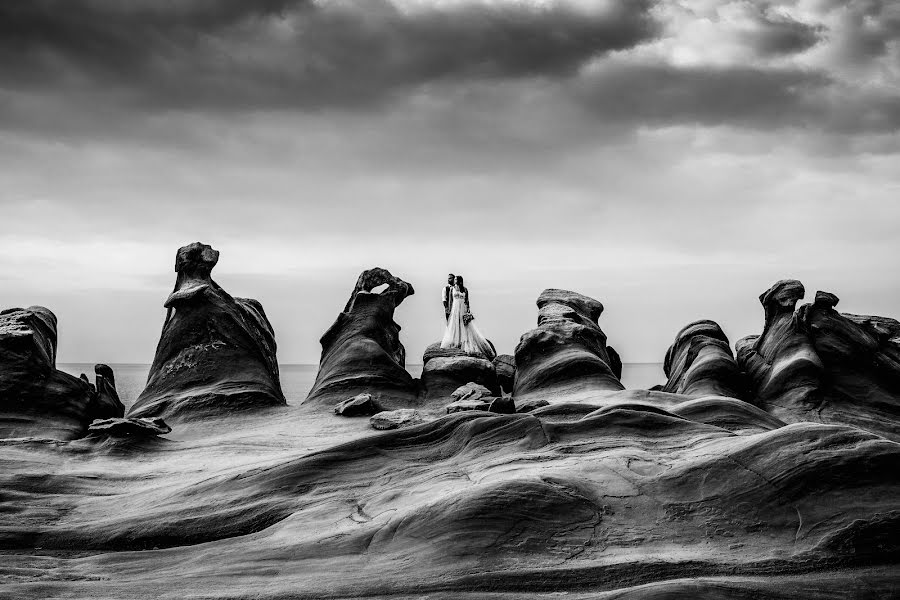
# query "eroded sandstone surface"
(566, 355)
(815, 364)
(738, 480)
(216, 354)
(37, 399)
(361, 351)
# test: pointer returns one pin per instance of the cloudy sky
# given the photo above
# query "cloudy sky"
(672, 158)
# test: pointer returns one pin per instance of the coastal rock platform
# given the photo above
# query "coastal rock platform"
(788, 491)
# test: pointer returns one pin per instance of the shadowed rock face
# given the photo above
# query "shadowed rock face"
(699, 363)
(216, 354)
(361, 351)
(566, 355)
(783, 370)
(861, 357)
(36, 399)
(446, 369)
(816, 364)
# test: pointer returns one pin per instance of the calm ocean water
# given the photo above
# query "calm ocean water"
(297, 380)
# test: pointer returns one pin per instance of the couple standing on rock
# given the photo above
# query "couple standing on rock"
(461, 331)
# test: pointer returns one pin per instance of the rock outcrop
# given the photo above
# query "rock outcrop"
(566, 355)
(505, 366)
(700, 363)
(216, 354)
(442, 376)
(37, 399)
(129, 428)
(783, 370)
(816, 364)
(361, 405)
(395, 419)
(361, 351)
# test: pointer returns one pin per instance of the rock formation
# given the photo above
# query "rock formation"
(216, 354)
(505, 366)
(361, 405)
(700, 363)
(597, 492)
(441, 376)
(566, 355)
(129, 428)
(816, 364)
(361, 351)
(36, 399)
(782, 366)
(395, 419)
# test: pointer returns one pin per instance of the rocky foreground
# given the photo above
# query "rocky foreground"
(770, 473)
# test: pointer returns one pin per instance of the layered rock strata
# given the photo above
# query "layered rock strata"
(816, 364)
(37, 399)
(216, 354)
(362, 352)
(566, 355)
(700, 363)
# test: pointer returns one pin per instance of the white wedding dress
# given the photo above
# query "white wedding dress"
(461, 335)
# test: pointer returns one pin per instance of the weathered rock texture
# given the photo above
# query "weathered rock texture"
(603, 494)
(36, 399)
(216, 354)
(361, 351)
(442, 376)
(700, 363)
(566, 355)
(627, 501)
(505, 366)
(816, 364)
(129, 428)
(357, 406)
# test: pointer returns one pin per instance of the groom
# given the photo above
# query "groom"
(447, 296)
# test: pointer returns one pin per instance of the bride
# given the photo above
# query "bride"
(461, 330)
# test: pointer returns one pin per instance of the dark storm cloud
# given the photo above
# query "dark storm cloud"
(283, 53)
(659, 94)
(776, 35)
(631, 92)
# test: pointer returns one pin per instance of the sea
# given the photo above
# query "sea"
(297, 380)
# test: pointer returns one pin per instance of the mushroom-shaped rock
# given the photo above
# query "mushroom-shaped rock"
(505, 366)
(361, 351)
(699, 363)
(216, 354)
(129, 428)
(783, 369)
(394, 419)
(442, 376)
(36, 399)
(566, 357)
(361, 405)
(435, 351)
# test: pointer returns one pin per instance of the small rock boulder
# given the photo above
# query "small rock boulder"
(441, 376)
(394, 419)
(530, 405)
(471, 391)
(464, 405)
(129, 428)
(361, 405)
(503, 406)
